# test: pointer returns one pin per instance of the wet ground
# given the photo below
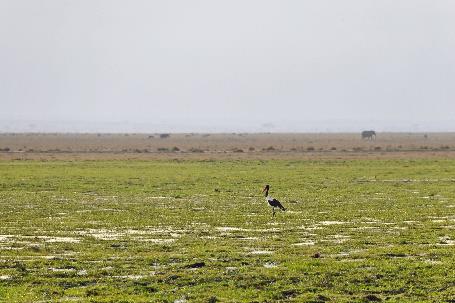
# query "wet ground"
(200, 231)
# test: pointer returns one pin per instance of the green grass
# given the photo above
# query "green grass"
(184, 231)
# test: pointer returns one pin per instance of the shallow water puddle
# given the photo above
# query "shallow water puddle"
(47, 239)
(130, 277)
(305, 243)
(268, 230)
(210, 237)
(135, 234)
(276, 223)
(411, 222)
(6, 238)
(228, 229)
(11, 248)
(333, 222)
(62, 270)
(270, 265)
(261, 252)
(231, 268)
(446, 241)
(248, 238)
(159, 241)
(433, 262)
(338, 239)
(341, 255)
(101, 234)
(293, 212)
(60, 239)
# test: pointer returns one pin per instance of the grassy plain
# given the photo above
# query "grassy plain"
(200, 231)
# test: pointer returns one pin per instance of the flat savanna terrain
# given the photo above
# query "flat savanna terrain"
(182, 218)
(224, 146)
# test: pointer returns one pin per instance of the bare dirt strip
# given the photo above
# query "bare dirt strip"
(36, 146)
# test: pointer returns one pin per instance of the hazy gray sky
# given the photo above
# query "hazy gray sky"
(229, 62)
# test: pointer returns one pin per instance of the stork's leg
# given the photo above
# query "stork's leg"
(273, 211)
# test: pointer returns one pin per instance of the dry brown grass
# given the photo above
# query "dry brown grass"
(224, 146)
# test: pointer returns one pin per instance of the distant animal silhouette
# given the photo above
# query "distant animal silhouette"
(369, 134)
(274, 203)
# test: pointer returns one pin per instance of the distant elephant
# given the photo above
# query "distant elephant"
(369, 134)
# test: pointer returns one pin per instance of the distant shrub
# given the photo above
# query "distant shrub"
(357, 148)
(5, 149)
(270, 148)
(164, 136)
(237, 150)
(151, 137)
(333, 148)
(445, 147)
(251, 148)
(175, 149)
(163, 149)
(196, 150)
(377, 148)
(424, 147)
(310, 148)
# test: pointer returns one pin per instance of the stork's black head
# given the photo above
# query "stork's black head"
(266, 189)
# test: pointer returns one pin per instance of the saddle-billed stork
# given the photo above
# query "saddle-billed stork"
(272, 202)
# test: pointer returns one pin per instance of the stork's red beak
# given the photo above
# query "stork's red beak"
(264, 189)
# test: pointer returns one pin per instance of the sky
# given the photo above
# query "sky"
(232, 65)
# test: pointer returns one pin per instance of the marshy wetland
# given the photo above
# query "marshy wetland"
(200, 231)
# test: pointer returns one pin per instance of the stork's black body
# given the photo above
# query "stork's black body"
(272, 202)
(276, 203)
